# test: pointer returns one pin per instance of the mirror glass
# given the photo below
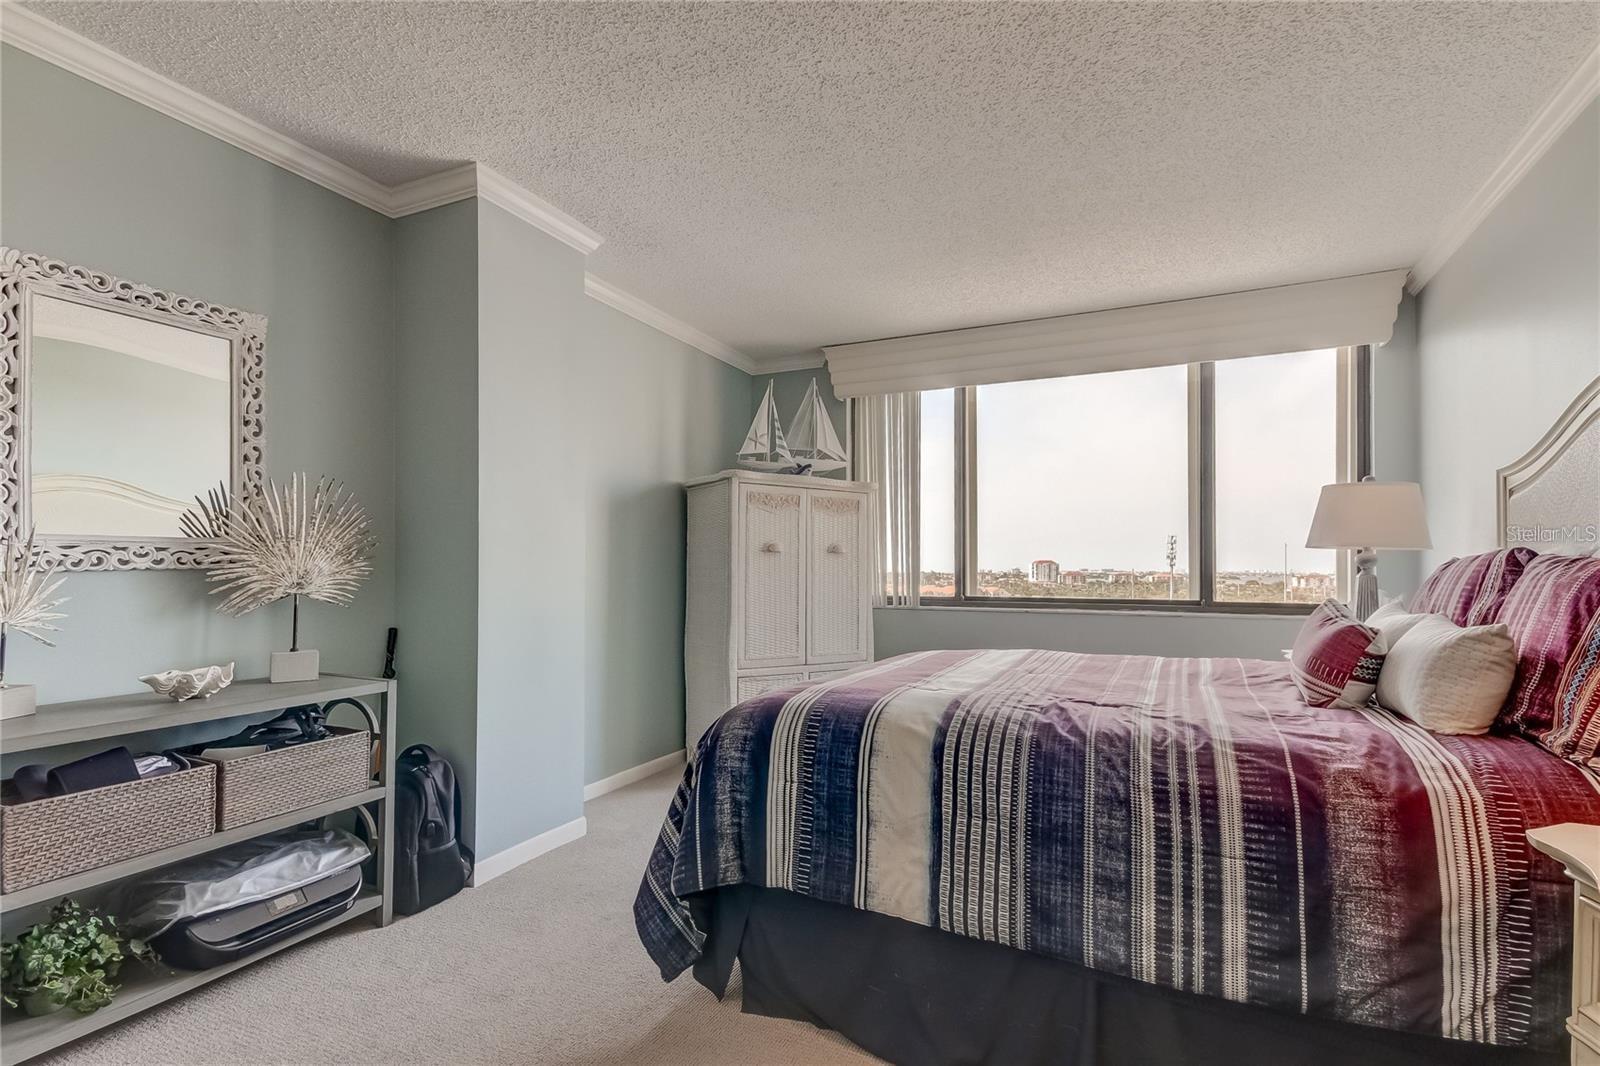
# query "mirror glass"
(129, 420)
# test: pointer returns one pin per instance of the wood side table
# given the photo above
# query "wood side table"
(1578, 848)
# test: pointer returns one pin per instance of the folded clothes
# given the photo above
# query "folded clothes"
(156, 765)
(113, 766)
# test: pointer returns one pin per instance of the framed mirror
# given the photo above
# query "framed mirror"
(119, 404)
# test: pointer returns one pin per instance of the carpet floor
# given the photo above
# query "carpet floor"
(541, 965)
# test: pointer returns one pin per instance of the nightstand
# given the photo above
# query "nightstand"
(1578, 847)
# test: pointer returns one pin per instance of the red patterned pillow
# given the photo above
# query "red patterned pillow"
(1336, 659)
(1471, 590)
(1553, 613)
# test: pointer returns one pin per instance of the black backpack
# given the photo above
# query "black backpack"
(430, 862)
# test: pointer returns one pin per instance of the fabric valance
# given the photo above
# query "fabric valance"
(1289, 318)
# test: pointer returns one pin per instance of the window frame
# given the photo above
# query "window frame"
(1353, 462)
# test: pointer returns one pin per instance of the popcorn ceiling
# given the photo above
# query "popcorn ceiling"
(783, 176)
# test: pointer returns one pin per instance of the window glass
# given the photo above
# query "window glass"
(938, 503)
(1277, 445)
(1083, 487)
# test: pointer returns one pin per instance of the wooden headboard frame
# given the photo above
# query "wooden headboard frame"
(1549, 500)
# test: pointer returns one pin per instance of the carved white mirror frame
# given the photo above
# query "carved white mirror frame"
(24, 275)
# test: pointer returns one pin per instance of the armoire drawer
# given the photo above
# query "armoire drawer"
(754, 685)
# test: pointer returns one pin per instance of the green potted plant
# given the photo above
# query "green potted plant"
(68, 961)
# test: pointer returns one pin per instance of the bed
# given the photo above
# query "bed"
(1035, 856)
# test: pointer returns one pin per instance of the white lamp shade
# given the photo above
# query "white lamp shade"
(1370, 514)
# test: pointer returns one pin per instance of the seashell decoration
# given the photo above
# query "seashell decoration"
(180, 685)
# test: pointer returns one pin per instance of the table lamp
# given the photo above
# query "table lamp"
(1367, 515)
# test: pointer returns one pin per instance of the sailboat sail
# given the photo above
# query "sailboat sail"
(764, 447)
(758, 441)
(812, 440)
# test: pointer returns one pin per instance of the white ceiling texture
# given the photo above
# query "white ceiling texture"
(784, 176)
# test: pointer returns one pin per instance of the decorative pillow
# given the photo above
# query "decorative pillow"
(1471, 590)
(1394, 621)
(1447, 678)
(1553, 613)
(1336, 659)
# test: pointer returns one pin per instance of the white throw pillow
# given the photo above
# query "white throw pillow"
(1447, 678)
(1394, 621)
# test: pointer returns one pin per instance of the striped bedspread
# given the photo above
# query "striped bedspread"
(1186, 822)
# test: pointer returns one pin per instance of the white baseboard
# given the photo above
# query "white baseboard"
(509, 859)
(629, 776)
(502, 862)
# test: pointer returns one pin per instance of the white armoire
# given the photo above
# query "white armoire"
(779, 587)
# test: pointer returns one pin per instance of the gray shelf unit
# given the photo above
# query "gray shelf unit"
(22, 1038)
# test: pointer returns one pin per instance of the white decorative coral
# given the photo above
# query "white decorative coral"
(288, 541)
(25, 591)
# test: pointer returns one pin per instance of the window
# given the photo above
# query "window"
(1188, 485)
(1083, 486)
(1277, 445)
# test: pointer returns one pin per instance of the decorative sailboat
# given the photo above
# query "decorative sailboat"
(764, 447)
(812, 441)
(811, 446)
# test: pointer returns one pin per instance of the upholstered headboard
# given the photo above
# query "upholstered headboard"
(1549, 500)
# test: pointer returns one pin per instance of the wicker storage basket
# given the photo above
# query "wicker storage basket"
(50, 838)
(253, 787)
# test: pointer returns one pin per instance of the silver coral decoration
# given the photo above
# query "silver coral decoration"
(285, 542)
(26, 589)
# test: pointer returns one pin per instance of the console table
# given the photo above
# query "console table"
(120, 717)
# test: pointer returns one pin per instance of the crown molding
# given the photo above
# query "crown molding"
(651, 315)
(1552, 120)
(77, 54)
(432, 190)
(811, 360)
(475, 179)
(502, 191)
(40, 37)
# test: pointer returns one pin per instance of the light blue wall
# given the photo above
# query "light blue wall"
(1509, 333)
(436, 400)
(93, 178)
(541, 566)
(1396, 436)
(788, 389)
(660, 413)
(519, 446)
(532, 469)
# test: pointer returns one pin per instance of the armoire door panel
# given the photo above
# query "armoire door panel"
(773, 602)
(836, 616)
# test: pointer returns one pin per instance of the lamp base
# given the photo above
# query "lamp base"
(295, 665)
(1366, 599)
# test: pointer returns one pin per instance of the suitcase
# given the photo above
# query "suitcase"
(223, 936)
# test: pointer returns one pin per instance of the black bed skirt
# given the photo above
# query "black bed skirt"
(921, 996)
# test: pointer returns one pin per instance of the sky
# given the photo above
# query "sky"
(1092, 471)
